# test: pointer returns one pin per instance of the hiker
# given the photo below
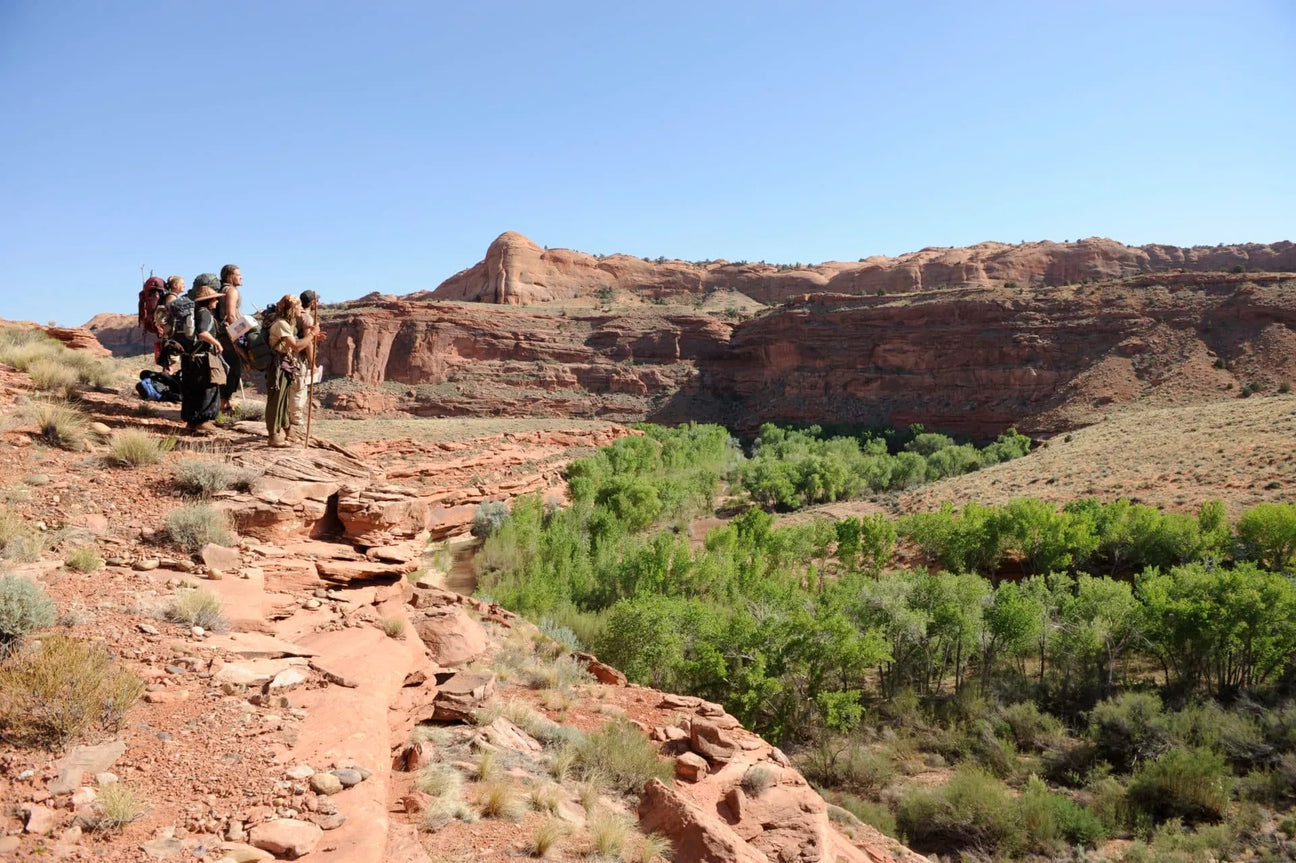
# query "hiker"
(286, 367)
(166, 349)
(175, 287)
(231, 280)
(299, 392)
(201, 369)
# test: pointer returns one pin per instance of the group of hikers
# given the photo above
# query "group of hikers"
(217, 343)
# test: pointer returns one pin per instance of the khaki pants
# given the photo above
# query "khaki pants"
(297, 393)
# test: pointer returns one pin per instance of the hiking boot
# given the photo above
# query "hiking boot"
(278, 441)
(203, 428)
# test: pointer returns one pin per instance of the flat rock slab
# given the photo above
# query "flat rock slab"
(255, 645)
(82, 761)
(255, 672)
(359, 570)
(286, 837)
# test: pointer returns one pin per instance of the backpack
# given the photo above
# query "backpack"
(179, 319)
(253, 347)
(150, 297)
(202, 280)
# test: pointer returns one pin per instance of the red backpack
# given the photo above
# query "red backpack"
(150, 296)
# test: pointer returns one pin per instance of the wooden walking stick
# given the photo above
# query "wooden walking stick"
(310, 391)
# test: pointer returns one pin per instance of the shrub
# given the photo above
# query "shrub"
(972, 812)
(1048, 818)
(195, 606)
(83, 559)
(623, 756)
(24, 606)
(393, 627)
(1030, 729)
(757, 780)
(62, 689)
(1129, 729)
(61, 426)
(203, 478)
(546, 798)
(116, 806)
(193, 526)
(1192, 785)
(1267, 533)
(488, 518)
(18, 541)
(876, 815)
(547, 835)
(845, 765)
(131, 448)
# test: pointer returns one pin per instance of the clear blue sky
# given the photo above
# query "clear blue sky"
(353, 147)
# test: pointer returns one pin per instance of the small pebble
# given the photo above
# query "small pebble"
(198, 631)
(147, 628)
(312, 603)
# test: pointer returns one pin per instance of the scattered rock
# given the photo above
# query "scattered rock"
(286, 837)
(694, 834)
(82, 760)
(349, 777)
(238, 852)
(325, 783)
(288, 678)
(603, 672)
(38, 819)
(710, 742)
(38, 479)
(331, 822)
(460, 694)
(451, 636)
(9, 844)
(147, 628)
(147, 564)
(163, 848)
(690, 767)
(300, 772)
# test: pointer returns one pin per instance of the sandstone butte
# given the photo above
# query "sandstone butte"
(300, 732)
(1046, 336)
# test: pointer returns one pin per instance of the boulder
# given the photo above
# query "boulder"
(603, 672)
(690, 767)
(710, 742)
(460, 694)
(219, 558)
(451, 636)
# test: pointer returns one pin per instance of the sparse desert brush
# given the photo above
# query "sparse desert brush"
(60, 689)
(193, 526)
(622, 755)
(52, 376)
(546, 797)
(16, 343)
(24, 606)
(488, 767)
(562, 672)
(500, 800)
(196, 477)
(757, 780)
(562, 763)
(18, 540)
(61, 425)
(547, 836)
(92, 372)
(116, 806)
(134, 448)
(195, 606)
(84, 558)
(445, 809)
(393, 627)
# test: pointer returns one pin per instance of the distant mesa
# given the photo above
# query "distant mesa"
(516, 271)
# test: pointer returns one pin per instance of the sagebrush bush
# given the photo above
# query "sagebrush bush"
(83, 559)
(61, 689)
(193, 526)
(620, 754)
(1030, 729)
(203, 478)
(1129, 729)
(876, 815)
(196, 606)
(24, 606)
(757, 780)
(845, 765)
(488, 518)
(134, 448)
(61, 425)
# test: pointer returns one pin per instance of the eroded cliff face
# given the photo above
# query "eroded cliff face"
(516, 271)
(969, 360)
(978, 360)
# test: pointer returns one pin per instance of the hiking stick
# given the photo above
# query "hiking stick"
(310, 393)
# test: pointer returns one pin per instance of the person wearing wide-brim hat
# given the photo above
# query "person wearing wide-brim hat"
(200, 398)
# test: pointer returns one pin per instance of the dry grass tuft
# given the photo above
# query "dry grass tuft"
(500, 800)
(51, 376)
(116, 806)
(133, 448)
(18, 540)
(608, 834)
(548, 835)
(202, 478)
(393, 627)
(61, 425)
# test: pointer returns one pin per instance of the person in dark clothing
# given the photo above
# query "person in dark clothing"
(200, 398)
(231, 300)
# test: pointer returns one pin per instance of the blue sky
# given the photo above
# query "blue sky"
(353, 147)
